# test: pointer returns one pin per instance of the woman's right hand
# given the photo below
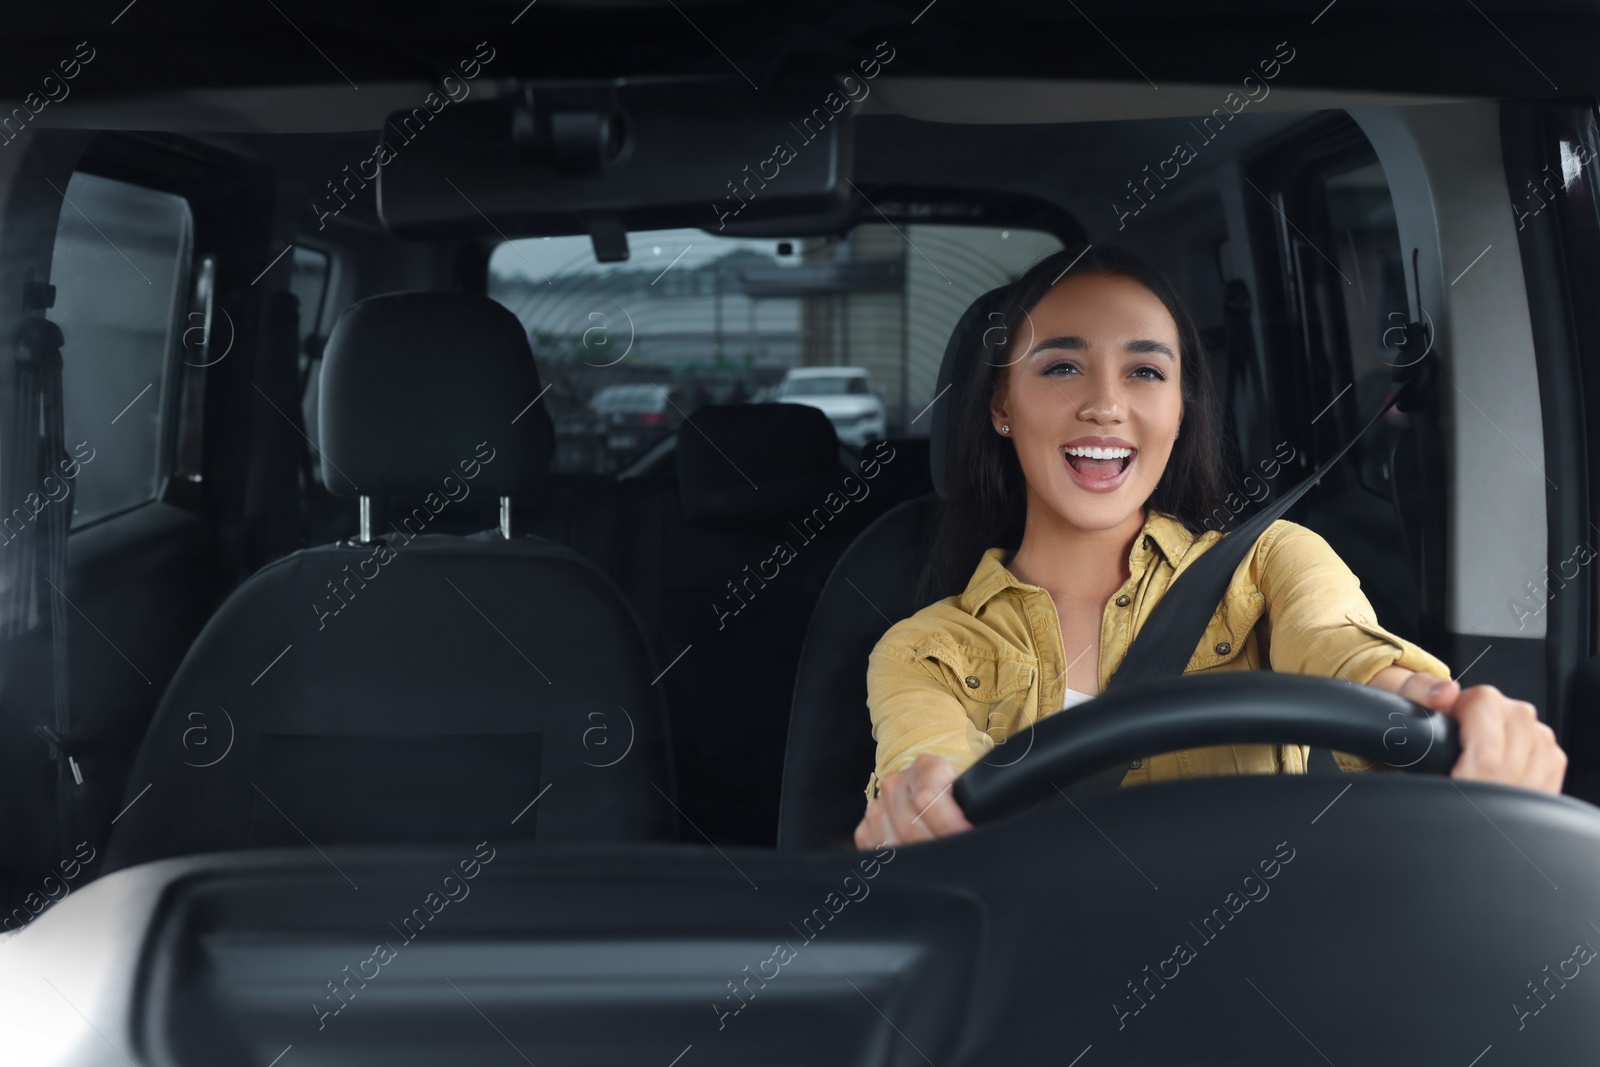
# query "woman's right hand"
(915, 804)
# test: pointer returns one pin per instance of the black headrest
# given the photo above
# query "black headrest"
(752, 464)
(965, 346)
(417, 387)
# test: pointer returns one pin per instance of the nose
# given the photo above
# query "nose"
(1103, 404)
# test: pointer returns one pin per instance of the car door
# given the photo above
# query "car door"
(132, 272)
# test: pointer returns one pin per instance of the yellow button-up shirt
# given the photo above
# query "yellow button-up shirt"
(1292, 606)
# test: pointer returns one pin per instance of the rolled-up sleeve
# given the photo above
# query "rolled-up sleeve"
(1321, 621)
(914, 713)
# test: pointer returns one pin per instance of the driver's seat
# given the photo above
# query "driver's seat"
(831, 751)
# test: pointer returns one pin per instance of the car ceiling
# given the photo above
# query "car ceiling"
(1496, 49)
(1071, 166)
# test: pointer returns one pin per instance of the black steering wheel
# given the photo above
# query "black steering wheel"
(1058, 753)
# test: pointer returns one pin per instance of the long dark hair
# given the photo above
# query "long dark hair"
(985, 501)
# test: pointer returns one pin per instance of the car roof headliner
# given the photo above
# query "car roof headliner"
(1440, 47)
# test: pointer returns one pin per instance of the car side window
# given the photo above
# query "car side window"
(308, 281)
(1367, 250)
(121, 265)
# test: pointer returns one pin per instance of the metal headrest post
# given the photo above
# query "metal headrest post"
(505, 517)
(366, 519)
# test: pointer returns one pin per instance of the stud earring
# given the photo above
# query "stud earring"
(1005, 429)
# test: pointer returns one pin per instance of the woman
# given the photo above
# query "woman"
(1087, 440)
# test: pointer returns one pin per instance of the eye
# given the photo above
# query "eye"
(1149, 374)
(1059, 368)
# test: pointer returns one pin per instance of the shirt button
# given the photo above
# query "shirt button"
(1223, 648)
(1123, 601)
(1136, 764)
(972, 681)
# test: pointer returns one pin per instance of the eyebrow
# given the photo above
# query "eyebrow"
(1078, 344)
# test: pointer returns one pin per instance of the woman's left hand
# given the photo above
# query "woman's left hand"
(1502, 740)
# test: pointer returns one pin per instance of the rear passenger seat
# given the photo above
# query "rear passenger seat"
(725, 563)
(725, 575)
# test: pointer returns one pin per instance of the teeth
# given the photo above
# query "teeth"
(1100, 453)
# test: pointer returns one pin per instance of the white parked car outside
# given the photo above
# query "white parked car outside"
(846, 395)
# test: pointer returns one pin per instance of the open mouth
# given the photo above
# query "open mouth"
(1099, 464)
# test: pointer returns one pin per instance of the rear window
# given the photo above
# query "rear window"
(710, 319)
(631, 398)
(833, 385)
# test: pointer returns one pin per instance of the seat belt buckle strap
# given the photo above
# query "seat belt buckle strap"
(63, 750)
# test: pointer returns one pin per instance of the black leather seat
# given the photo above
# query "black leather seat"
(831, 751)
(727, 607)
(422, 686)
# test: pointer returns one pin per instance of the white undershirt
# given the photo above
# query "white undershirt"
(1074, 697)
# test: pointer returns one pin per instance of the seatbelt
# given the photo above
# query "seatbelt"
(1172, 633)
(39, 400)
